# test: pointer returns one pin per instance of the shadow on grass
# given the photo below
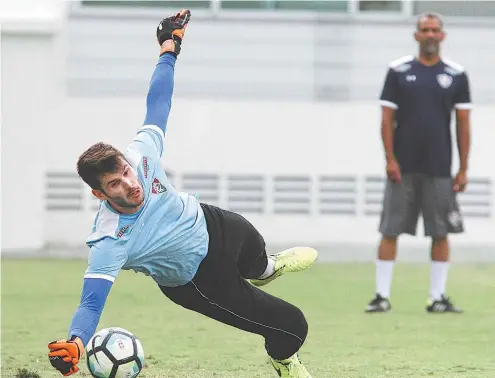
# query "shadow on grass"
(25, 373)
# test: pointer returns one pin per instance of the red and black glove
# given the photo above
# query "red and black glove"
(173, 28)
(64, 355)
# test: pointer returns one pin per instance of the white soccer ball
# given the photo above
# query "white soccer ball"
(114, 353)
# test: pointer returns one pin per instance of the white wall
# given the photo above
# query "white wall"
(234, 58)
(31, 91)
(21, 12)
(259, 138)
(319, 137)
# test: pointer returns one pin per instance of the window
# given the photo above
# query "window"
(246, 4)
(456, 8)
(329, 6)
(148, 3)
(320, 6)
(340, 6)
(380, 6)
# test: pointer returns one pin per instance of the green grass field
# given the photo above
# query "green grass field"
(39, 298)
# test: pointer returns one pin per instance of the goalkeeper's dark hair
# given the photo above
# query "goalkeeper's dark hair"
(97, 160)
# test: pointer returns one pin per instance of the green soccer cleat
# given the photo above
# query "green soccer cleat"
(291, 260)
(290, 368)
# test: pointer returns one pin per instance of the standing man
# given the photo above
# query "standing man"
(417, 101)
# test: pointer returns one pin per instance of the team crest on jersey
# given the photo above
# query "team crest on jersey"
(157, 187)
(444, 80)
(455, 219)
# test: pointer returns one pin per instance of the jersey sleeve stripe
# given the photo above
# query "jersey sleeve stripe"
(397, 62)
(159, 132)
(155, 129)
(101, 276)
(454, 65)
(389, 104)
(464, 106)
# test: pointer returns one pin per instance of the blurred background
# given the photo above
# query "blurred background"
(275, 114)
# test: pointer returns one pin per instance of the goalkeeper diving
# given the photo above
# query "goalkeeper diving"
(203, 258)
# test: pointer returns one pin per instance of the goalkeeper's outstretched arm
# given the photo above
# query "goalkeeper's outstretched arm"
(85, 320)
(65, 354)
(159, 99)
(169, 33)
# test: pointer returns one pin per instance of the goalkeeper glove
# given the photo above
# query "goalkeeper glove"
(173, 28)
(64, 355)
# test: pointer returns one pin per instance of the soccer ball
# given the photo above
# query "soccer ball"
(114, 353)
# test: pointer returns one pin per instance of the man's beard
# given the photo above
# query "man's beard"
(430, 48)
(122, 202)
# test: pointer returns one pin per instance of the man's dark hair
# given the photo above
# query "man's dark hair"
(97, 160)
(427, 15)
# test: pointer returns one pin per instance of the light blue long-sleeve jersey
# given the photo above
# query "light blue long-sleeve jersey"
(166, 239)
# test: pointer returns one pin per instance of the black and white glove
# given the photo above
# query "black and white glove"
(173, 28)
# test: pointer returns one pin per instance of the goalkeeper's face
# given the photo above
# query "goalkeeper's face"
(122, 189)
